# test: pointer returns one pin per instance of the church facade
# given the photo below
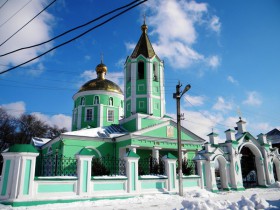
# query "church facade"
(109, 121)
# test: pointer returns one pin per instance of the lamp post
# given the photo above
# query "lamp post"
(178, 96)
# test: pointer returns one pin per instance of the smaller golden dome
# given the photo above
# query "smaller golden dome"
(100, 83)
(101, 68)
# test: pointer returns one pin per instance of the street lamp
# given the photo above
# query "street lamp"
(178, 96)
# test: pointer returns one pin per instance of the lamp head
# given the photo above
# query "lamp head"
(186, 89)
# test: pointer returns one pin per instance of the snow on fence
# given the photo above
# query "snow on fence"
(20, 185)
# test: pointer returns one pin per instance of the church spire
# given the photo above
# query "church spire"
(144, 46)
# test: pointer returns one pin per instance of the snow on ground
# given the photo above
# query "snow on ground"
(254, 198)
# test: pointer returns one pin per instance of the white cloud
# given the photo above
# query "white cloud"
(213, 61)
(261, 127)
(215, 24)
(15, 109)
(60, 120)
(18, 108)
(200, 123)
(232, 80)
(194, 100)
(222, 105)
(37, 70)
(253, 99)
(120, 63)
(173, 23)
(231, 122)
(37, 31)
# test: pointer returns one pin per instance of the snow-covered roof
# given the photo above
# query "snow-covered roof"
(101, 132)
(38, 142)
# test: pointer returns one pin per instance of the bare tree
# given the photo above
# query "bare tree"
(21, 130)
(8, 127)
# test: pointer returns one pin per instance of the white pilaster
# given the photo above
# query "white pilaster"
(149, 86)
(162, 90)
(100, 115)
(79, 118)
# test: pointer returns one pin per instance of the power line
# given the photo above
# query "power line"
(3, 4)
(15, 13)
(28, 22)
(73, 29)
(64, 43)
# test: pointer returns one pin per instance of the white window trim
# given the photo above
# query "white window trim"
(82, 101)
(108, 115)
(112, 101)
(91, 116)
(94, 100)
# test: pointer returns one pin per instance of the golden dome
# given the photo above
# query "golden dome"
(100, 83)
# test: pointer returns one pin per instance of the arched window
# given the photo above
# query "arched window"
(128, 73)
(96, 100)
(155, 72)
(82, 102)
(140, 70)
(111, 101)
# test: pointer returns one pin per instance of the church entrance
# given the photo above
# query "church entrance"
(249, 170)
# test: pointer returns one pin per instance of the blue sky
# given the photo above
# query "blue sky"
(227, 50)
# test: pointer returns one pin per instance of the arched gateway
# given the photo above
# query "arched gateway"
(239, 162)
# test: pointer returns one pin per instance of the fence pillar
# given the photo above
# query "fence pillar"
(17, 178)
(84, 173)
(132, 159)
(170, 171)
(201, 172)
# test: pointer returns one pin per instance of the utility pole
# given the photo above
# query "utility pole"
(178, 96)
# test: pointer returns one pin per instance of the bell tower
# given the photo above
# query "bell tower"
(144, 92)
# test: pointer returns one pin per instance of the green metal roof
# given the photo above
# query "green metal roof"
(22, 148)
(132, 154)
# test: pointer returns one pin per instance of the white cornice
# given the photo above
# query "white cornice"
(97, 92)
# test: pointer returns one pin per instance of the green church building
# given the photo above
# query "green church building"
(109, 121)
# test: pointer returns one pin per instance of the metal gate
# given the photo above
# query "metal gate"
(248, 167)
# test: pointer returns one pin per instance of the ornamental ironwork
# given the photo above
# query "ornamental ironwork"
(56, 165)
(108, 165)
(150, 166)
(189, 167)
